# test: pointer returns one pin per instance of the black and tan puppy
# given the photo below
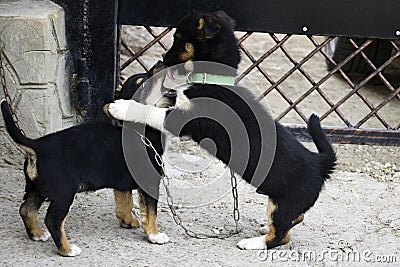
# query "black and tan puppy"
(296, 175)
(87, 157)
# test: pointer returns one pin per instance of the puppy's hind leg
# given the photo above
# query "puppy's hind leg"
(29, 212)
(55, 220)
(123, 209)
(278, 232)
(148, 214)
(264, 230)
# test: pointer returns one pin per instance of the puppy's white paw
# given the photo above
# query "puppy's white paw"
(44, 237)
(159, 238)
(252, 243)
(119, 108)
(75, 251)
(263, 230)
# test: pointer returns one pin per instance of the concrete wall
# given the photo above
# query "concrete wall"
(35, 55)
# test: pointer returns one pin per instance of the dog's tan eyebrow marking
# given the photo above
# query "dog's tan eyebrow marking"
(201, 24)
(138, 81)
(188, 54)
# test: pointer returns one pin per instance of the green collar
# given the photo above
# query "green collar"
(207, 78)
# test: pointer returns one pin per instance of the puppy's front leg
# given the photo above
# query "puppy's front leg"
(123, 209)
(130, 110)
(148, 214)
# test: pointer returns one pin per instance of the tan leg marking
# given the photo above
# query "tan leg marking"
(270, 209)
(272, 231)
(151, 227)
(148, 217)
(29, 217)
(123, 209)
(269, 238)
(286, 239)
(143, 211)
(298, 219)
(65, 245)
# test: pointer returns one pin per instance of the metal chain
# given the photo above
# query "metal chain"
(178, 220)
(6, 93)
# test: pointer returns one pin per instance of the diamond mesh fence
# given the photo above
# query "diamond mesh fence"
(351, 83)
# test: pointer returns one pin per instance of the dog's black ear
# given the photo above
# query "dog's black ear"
(209, 25)
(224, 17)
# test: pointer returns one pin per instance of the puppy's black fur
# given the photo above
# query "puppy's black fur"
(87, 157)
(131, 85)
(204, 37)
(296, 176)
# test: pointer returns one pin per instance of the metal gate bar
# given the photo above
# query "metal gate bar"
(376, 19)
(256, 64)
(145, 48)
(362, 83)
(351, 84)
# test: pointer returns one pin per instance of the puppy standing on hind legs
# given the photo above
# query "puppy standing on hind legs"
(296, 175)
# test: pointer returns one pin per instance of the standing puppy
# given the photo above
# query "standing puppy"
(296, 175)
(88, 157)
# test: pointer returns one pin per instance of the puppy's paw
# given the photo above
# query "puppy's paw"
(105, 110)
(74, 251)
(119, 108)
(43, 237)
(159, 238)
(129, 224)
(252, 243)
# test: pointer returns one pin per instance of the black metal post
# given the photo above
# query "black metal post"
(368, 18)
(91, 28)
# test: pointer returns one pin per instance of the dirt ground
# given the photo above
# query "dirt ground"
(355, 221)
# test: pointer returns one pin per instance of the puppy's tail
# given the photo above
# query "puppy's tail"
(325, 149)
(12, 129)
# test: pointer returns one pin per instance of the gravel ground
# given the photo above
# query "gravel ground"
(355, 221)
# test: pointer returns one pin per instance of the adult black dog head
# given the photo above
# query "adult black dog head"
(203, 36)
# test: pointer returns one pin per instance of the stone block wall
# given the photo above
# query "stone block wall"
(35, 57)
